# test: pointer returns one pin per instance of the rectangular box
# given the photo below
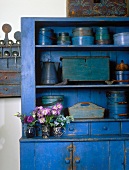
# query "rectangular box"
(86, 110)
(85, 68)
(83, 8)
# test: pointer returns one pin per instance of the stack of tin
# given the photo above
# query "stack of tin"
(63, 39)
(82, 36)
(45, 36)
(102, 36)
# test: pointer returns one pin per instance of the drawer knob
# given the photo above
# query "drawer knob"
(77, 160)
(67, 161)
(71, 129)
(105, 128)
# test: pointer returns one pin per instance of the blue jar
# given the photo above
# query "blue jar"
(45, 36)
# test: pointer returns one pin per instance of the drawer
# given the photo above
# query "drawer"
(124, 127)
(10, 90)
(76, 129)
(10, 78)
(104, 128)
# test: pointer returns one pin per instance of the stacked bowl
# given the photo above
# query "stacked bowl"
(82, 36)
(102, 36)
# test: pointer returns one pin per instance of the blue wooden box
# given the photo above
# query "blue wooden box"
(85, 68)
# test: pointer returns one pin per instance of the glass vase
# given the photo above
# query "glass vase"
(57, 131)
(45, 131)
(30, 132)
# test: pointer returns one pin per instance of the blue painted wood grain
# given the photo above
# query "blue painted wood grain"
(52, 156)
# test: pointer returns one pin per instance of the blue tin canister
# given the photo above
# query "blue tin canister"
(102, 30)
(102, 36)
(45, 36)
(83, 40)
(121, 38)
(63, 39)
(82, 31)
(122, 75)
(51, 100)
(117, 104)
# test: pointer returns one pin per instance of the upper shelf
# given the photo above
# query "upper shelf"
(80, 21)
(83, 86)
(89, 47)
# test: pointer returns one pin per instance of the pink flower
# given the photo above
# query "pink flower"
(54, 112)
(42, 120)
(59, 106)
(46, 111)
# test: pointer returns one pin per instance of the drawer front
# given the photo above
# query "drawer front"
(76, 129)
(102, 128)
(10, 90)
(10, 78)
(124, 127)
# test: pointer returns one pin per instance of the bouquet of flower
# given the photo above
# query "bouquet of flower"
(61, 121)
(46, 115)
(29, 120)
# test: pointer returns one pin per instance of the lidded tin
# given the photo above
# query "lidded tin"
(51, 100)
(45, 36)
(102, 36)
(63, 39)
(117, 104)
(82, 36)
(82, 31)
(121, 38)
(122, 77)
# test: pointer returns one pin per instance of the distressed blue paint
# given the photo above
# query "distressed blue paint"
(93, 155)
(95, 142)
(27, 156)
(106, 128)
(115, 161)
(52, 155)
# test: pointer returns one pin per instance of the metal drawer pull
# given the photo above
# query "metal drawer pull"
(71, 129)
(105, 128)
(77, 160)
(67, 160)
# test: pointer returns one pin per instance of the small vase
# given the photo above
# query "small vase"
(57, 131)
(30, 132)
(45, 131)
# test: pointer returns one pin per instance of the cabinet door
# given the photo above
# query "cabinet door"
(53, 156)
(101, 155)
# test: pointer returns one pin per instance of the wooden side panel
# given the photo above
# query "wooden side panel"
(28, 64)
(27, 156)
(53, 156)
(91, 156)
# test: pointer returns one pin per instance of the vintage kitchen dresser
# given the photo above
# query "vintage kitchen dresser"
(87, 144)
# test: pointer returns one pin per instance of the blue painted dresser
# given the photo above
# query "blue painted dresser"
(87, 144)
